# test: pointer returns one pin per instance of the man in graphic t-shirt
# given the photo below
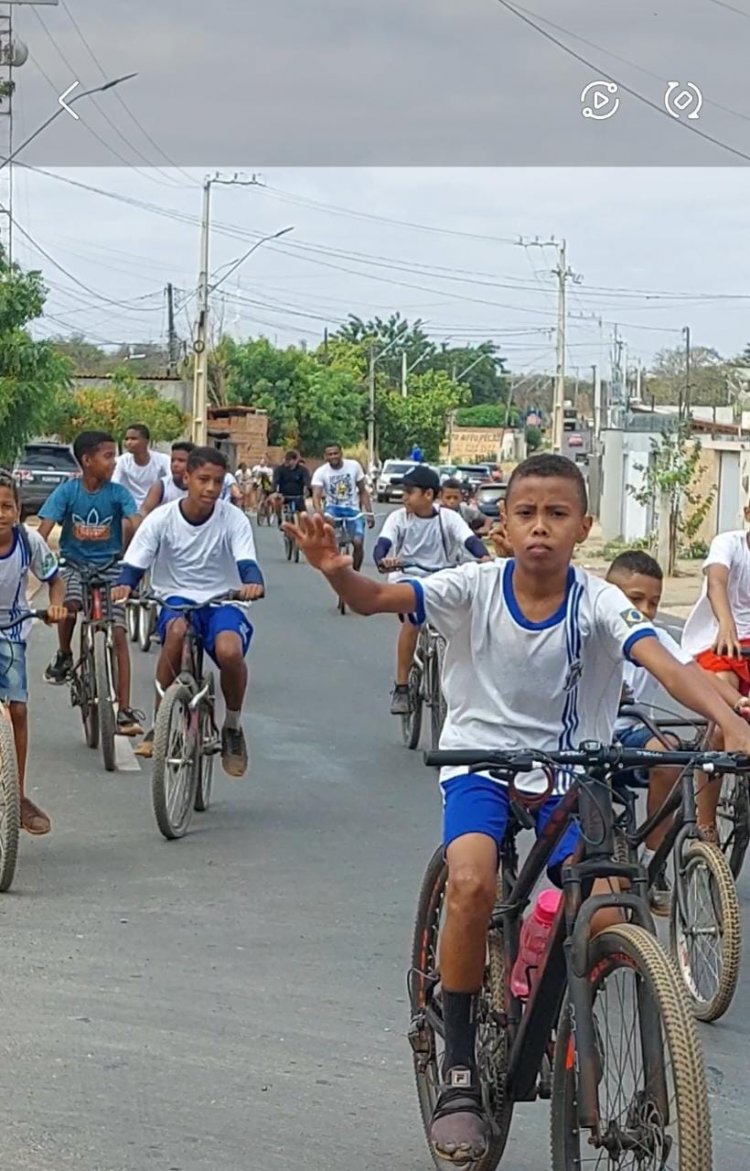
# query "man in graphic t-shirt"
(340, 490)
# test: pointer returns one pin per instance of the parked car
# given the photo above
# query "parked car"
(473, 475)
(390, 480)
(446, 472)
(39, 471)
(489, 498)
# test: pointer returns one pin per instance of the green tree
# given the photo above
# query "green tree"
(32, 374)
(533, 439)
(422, 415)
(479, 367)
(114, 407)
(666, 381)
(486, 416)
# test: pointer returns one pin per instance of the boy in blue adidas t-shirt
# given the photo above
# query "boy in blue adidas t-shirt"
(22, 551)
(98, 521)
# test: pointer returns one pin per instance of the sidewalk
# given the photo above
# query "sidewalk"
(680, 593)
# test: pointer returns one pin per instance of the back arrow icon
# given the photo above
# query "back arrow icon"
(62, 102)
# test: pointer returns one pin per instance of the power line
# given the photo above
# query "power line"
(634, 93)
(121, 100)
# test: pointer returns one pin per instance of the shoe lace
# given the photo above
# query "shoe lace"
(133, 713)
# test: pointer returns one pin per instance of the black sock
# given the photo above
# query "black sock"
(459, 1016)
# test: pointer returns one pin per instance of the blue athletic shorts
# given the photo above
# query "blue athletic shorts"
(209, 622)
(356, 525)
(636, 736)
(473, 804)
(13, 681)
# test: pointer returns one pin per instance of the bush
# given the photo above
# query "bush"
(533, 438)
(486, 415)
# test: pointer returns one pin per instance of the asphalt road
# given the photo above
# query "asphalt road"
(237, 1000)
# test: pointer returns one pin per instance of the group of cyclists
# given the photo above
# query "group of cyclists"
(537, 650)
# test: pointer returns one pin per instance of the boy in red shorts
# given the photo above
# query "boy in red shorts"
(716, 633)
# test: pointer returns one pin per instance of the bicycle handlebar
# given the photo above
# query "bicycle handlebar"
(404, 565)
(591, 755)
(40, 614)
(189, 607)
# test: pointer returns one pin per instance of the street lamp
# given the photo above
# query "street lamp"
(200, 342)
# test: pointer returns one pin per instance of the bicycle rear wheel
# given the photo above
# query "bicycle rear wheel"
(104, 672)
(146, 626)
(87, 694)
(653, 1106)
(438, 707)
(174, 779)
(10, 814)
(411, 724)
(705, 932)
(425, 1033)
(733, 820)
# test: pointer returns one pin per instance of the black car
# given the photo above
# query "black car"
(39, 471)
(489, 498)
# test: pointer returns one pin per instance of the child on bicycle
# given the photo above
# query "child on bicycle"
(716, 634)
(98, 519)
(22, 551)
(534, 655)
(433, 538)
(197, 549)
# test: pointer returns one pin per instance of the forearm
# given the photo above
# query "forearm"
(56, 590)
(318, 499)
(719, 602)
(365, 596)
(365, 503)
(686, 683)
(45, 528)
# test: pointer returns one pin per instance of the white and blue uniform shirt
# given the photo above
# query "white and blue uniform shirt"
(30, 555)
(510, 683)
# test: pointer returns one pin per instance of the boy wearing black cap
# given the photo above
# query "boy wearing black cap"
(420, 539)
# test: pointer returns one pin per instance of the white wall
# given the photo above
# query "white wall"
(621, 515)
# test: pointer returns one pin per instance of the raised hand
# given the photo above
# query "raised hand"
(317, 540)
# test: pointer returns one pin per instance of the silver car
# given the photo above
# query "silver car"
(391, 478)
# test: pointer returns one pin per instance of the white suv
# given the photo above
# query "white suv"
(390, 480)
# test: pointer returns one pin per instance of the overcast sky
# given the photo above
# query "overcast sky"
(655, 250)
(428, 82)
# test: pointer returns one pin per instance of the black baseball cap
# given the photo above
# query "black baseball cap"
(422, 477)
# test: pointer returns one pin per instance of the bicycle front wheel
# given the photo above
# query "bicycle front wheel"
(425, 1033)
(131, 617)
(173, 781)
(652, 1098)
(87, 693)
(705, 932)
(411, 724)
(10, 814)
(146, 625)
(104, 674)
(205, 760)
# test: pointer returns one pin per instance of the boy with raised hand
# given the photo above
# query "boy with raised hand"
(433, 537)
(196, 549)
(98, 518)
(534, 658)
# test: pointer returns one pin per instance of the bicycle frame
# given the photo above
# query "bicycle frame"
(96, 614)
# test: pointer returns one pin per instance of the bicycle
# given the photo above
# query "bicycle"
(10, 798)
(140, 615)
(186, 738)
(705, 927)
(342, 528)
(288, 516)
(263, 513)
(561, 1042)
(93, 678)
(425, 674)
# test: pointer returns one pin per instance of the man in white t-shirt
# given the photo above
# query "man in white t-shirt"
(139, 467)
(340, 490)
(534, 659)
(716, 633)
(196, 549)
(420, 539)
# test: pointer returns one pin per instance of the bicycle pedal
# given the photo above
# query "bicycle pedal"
(212, 747)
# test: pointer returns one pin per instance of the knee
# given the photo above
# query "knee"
(228, 651)
(175, 634)
(471, 892)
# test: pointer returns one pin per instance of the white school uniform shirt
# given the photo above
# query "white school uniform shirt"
(192, 561)
(139, 479)
(340, 485)
(510, 683)
(700, 630)
(31, 555)
(641, 683)
(436, 541)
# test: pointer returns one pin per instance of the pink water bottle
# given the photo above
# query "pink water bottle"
(533, 943)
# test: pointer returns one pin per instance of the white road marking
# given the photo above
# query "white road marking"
(125, 759)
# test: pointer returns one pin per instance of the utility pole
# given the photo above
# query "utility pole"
(563, 273)
(200, 341)
(404, 372)
(371, 411)
(173, 342)
(596, 382)
(686, 335)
